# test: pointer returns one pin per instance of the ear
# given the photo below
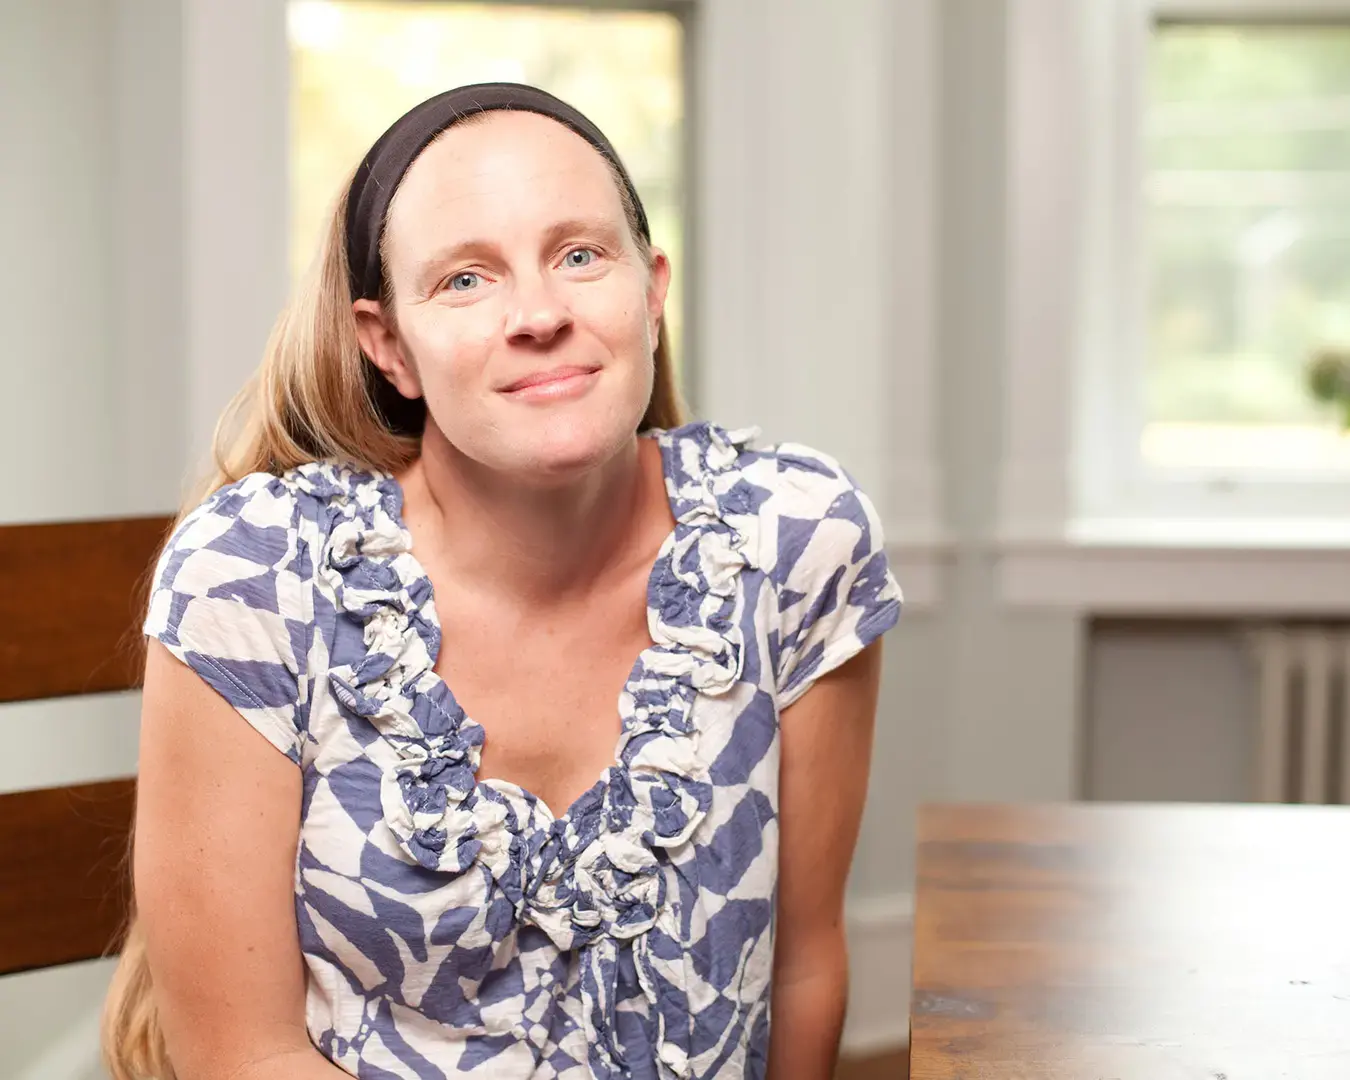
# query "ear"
(658, 285)
(380, 342)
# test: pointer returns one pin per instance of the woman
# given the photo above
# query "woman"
(457, 518)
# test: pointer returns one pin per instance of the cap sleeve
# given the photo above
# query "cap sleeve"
(231, 599)
(835, 590)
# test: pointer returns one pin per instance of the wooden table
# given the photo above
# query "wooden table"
(1102, 942)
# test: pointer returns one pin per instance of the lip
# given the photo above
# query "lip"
(541, 383)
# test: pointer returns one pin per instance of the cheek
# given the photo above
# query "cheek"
(621, 319)
(449, 348)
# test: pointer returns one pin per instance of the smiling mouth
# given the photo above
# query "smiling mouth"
(541, 380)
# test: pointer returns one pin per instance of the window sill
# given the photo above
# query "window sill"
(1173, 568)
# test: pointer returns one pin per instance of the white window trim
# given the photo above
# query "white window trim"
(1282, 11)
(1076, 528)
(1113, 482)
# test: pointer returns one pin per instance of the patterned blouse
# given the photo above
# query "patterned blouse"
(455, 927)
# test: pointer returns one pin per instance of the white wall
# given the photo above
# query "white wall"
(151, 317)
(89, 418)
(50, 1022)
(57, 271)
(92, 261)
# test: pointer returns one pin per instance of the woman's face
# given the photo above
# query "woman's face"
(525, 315)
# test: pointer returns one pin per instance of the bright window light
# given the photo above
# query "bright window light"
(1247, 157)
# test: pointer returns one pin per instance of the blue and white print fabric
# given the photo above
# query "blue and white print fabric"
(455, 927)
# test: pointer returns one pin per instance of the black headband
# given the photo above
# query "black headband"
(382, 169)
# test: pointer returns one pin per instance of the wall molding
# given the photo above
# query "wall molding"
(920, 566)
(1043, 201)
(1268, 10)
(1196, 579)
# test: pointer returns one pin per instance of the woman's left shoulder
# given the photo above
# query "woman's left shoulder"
(806, 525)
(807, 482)
(810, 515)
(821, 546)
(787, 479)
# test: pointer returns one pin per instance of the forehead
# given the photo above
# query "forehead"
(501, 171)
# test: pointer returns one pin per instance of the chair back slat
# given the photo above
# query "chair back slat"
(64, 881)
(72, 596)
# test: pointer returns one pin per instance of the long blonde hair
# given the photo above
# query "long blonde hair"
(315, 396)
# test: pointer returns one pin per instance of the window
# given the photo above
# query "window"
(356, 67)
(1247, 234)
(1199, 153)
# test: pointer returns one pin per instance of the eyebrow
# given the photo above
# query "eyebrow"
(430, 269)
(600, 228)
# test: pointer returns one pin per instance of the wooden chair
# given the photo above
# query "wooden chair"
(71, 599)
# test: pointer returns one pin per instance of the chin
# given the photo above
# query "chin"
(563, 443)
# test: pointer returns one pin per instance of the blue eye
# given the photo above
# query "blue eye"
(465, 281)
(579, 257)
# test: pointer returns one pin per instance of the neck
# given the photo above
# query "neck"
(531, 544)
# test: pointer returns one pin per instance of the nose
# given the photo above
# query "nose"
(537, 315)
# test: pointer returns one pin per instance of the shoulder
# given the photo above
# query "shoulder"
(784, 475)
(262, 525)
(796, 515)
(809, 483)
(819, 524)
(784, 486)
(702, 449)
(252, 518)
(807, 519)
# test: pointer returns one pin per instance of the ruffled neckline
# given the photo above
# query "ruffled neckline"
(591, 875)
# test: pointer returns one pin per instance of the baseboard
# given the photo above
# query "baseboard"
(880, 935)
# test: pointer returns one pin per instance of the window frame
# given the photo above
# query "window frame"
(1111, 481)
(1067, 239)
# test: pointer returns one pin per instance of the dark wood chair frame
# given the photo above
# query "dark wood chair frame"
(71, 602)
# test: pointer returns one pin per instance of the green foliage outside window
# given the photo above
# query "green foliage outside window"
(1248, 155)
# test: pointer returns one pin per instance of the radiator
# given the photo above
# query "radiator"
(1303, 737)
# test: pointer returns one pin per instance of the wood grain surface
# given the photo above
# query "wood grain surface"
(71, 602)
(1084, 942)
(64, 881)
